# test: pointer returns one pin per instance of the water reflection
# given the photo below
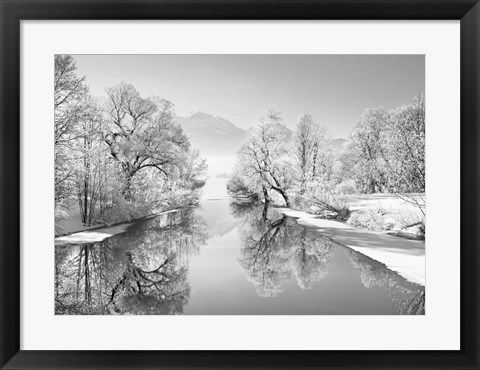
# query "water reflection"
(407, 298)
(275, 247)
(143, 271)
(226, 257)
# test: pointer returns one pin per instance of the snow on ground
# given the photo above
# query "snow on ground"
(405, 256)
(99, 234)
(71, 224)
(357, 202)
(92, 236)
(395, 211)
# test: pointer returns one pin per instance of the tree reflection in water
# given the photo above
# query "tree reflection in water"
(408, 298)
(275, 248)
(143, 271)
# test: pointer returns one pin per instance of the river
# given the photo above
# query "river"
(226, 256)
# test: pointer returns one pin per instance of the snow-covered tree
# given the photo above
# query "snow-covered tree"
(264, 159)
(366, 158)
(313, 154)
(142, 134)
(90, 167)
(70, 94)
(386, 150)
(406, 146)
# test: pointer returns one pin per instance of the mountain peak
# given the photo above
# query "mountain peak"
(199, 114)
(212, 134)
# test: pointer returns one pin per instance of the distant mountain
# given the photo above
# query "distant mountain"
(218, 136)
(212, 135)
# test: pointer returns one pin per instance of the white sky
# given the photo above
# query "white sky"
(335, 89)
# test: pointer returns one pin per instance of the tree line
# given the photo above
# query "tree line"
(386, 150)
(384, 153)
(121, 157)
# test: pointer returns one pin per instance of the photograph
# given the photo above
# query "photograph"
(239, 184)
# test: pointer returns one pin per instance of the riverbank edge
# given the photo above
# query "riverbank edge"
(118, 225)
(312, 220)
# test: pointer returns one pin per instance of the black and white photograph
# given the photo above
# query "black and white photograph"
(239, 184)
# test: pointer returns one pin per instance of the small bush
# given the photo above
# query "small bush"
(235, 185)
(123, 211)
(371, 219)
(346, 187)
(410, 220)
(344, 213)
(325, 204)
(300, 202)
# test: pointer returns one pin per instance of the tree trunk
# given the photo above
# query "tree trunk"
(265, 194)
(88, 289)
(277, 187)
(267, 201)
(127, 188)
(283, 194)
(285, 198)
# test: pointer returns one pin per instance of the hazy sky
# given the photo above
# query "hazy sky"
(335, 89)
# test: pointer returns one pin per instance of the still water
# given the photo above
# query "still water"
(226, 257)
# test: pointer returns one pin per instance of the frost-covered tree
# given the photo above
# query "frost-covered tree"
(142, 133)
(304, 143)
(120, 159)
(70, 94)
(70, 91)
(313, 154)
(386, 150)
(91, 167)
(366, 158)
(193, 170)
(264, 159)
(240, 184)
(406, 146)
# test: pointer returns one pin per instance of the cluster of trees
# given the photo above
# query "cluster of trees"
(119, 158)
(385, 153)
(276, 163)
(386, 150)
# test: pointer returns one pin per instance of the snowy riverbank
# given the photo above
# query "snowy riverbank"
(99, 234)
(405, 256)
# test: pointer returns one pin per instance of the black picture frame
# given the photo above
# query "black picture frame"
(13, 11)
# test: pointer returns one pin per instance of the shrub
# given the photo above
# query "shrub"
(325, 204)
(300, 202)
(410, 219)
(346, 187)
(371, 219)
(235, 185)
